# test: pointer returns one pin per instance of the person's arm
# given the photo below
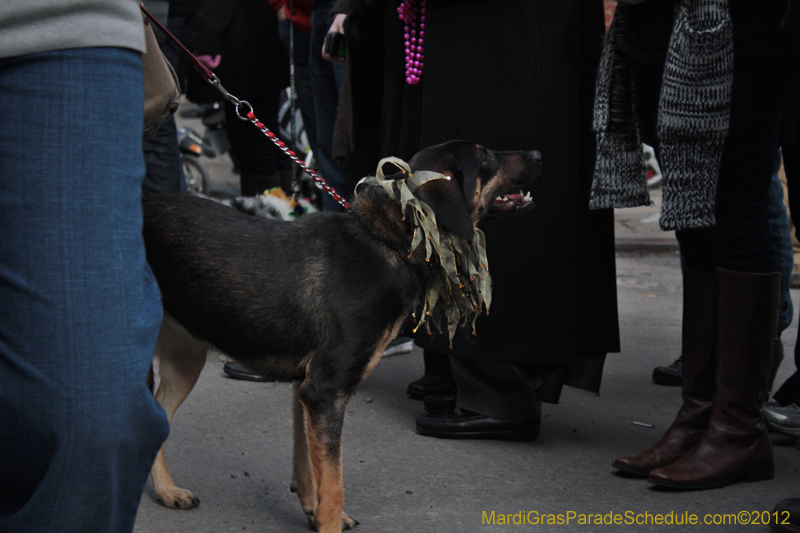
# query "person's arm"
(341, 6)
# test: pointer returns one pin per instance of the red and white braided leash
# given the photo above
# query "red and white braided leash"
(244, 110)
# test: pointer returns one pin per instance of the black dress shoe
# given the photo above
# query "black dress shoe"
(786, 516)
(439, 404)
(237, 371)
(428, 385)
(671, 375)
(463, 424)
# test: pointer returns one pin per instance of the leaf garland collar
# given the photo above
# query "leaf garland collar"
(462, 288)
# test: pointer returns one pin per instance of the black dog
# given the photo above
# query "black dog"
(315, 300)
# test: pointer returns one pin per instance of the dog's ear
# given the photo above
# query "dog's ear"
(447, 200)
(393, 172)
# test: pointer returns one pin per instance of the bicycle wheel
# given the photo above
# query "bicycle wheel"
(196, 176)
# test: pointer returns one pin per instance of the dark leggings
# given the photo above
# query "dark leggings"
(740, 240)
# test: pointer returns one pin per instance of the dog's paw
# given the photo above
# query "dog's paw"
(347, 522)
(178, 499)
(312, 521)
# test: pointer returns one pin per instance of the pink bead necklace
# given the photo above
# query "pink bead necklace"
(412, 13)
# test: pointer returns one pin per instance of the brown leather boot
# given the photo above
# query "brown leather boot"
(698, 345)
(736, 444)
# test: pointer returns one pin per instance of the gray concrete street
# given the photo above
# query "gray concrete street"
(231, 441)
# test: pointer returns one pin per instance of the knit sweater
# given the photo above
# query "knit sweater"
(693, 117)
(30, 26)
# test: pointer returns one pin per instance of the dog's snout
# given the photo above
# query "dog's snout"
(533, 163)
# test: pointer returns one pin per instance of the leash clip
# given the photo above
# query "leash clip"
(243, 107)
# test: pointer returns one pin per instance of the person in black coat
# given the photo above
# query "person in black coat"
(515, 75)
(253, 66)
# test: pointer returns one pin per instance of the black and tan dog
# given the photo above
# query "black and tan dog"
(315, 300)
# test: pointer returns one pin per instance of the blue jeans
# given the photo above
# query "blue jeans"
(781, 236)
(80, 308)
(162, 155)
(326, 81)
(163, 164)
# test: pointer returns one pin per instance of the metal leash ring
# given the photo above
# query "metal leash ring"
(243, 115)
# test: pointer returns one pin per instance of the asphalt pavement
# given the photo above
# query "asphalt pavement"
(231, 441)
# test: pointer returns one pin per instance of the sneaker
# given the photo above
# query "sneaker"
(400, 345)
(669, 375)
(782, 419)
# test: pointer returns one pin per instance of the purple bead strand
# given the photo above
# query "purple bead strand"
(412, 13)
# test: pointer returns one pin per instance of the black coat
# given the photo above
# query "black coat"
(520, 75)
(245, 34)
(514, 75)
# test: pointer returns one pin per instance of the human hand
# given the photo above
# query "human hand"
(208, 61)
(337, 27)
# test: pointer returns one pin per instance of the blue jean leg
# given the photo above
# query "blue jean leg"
(162, 155)
(80, 308)
(326, 81)
(163, 164)
(782, 240)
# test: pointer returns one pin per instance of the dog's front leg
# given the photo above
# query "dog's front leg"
(324, 418)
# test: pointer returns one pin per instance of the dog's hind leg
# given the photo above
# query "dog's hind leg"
(324, 418)
(181, 358)
(302, 478)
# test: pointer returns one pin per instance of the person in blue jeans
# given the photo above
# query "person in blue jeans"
(781, 235)
(80, 308)
(162, 156)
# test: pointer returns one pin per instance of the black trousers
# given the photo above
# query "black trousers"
(511, 391)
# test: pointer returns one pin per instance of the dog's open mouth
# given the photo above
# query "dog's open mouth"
(508, 202)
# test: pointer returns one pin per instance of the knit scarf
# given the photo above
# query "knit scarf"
(693, 117)
(462, 287)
